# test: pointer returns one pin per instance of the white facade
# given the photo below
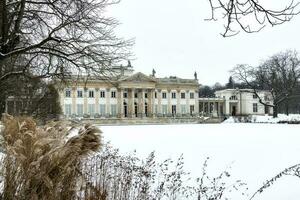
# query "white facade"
(245, 102)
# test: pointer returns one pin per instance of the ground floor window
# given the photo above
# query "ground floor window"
(91, 109)
(80, 110)
(183, 109)
(192, 109)
(68, 109)
(102, 109)
(173, 109)
(164, 109)
(113, 110)
(255, 107)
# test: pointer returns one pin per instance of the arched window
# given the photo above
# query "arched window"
(233, 98)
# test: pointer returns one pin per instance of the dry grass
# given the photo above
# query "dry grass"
(39, 163)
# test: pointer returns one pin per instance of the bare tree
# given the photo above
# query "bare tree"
(280, 74)
(57, 37)
(249, 15)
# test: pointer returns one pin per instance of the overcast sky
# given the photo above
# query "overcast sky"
(172, 37)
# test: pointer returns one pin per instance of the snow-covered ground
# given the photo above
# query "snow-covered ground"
(256, 152)
(266, 119)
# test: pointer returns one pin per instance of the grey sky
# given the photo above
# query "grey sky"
(172, 37)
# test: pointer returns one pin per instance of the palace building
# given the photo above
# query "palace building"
(130, 95)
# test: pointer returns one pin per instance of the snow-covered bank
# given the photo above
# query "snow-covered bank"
(256, 152)
(282, 118)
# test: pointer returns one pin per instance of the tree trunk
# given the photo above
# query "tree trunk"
(275, 111)
(287, 107)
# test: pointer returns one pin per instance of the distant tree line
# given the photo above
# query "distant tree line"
(279, 74)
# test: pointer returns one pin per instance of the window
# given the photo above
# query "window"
(183, 109)
(164, 109)
(173, 95)
(68, 93)
(80, 110)
(156, 109)
(192, 95)
(79, 93)
(91, 93)
(192, 109)
(135, 95)
(182, 95)
(102, 109)
(113, 110)
(173, 109)
(68, 109)
(255, 107)
(113, 94)
(102, 94)
(155, 95)
(91, 109)
(146, 95)
(254, 96)
(164, 95)
(233, 98)
(125, 95)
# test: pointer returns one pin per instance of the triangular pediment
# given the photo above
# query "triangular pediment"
(138, 77)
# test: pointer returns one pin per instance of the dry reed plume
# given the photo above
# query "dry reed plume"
(40, 163)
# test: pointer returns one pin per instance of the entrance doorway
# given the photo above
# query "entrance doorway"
(146, 109)
(233, 109)
(173, 110)
(125, 110)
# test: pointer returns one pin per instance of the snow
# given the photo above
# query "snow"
(256, 152)
(267, 119)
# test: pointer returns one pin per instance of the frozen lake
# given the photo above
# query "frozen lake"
(256, 152)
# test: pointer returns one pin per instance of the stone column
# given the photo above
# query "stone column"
(150, 103)
(159, 110)
(97, 95)
(178, 97)
(107, 99)
(120, 103)
(169, 102)
(196, 103)
(73, 95)
(85, 96)
(187, 92)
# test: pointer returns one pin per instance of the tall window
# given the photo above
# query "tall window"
(183, 109)
(164, 95)
(91, 109)
(146, 95)
(102, 94)
(91, 93)
(164, 109)
(68, 93)
(156, 109)
(113, 110)
(102, 109)
(125, 95)
(255, 107)
(192, 109)
(80, 110)
(68, 109)
(155, 95)
(192, 95)
(113, 94)
(79, 93)
(135, 95)
(173, 95)
(182, 95)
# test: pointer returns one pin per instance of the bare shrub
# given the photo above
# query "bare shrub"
(113, 176)
(39, 163)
